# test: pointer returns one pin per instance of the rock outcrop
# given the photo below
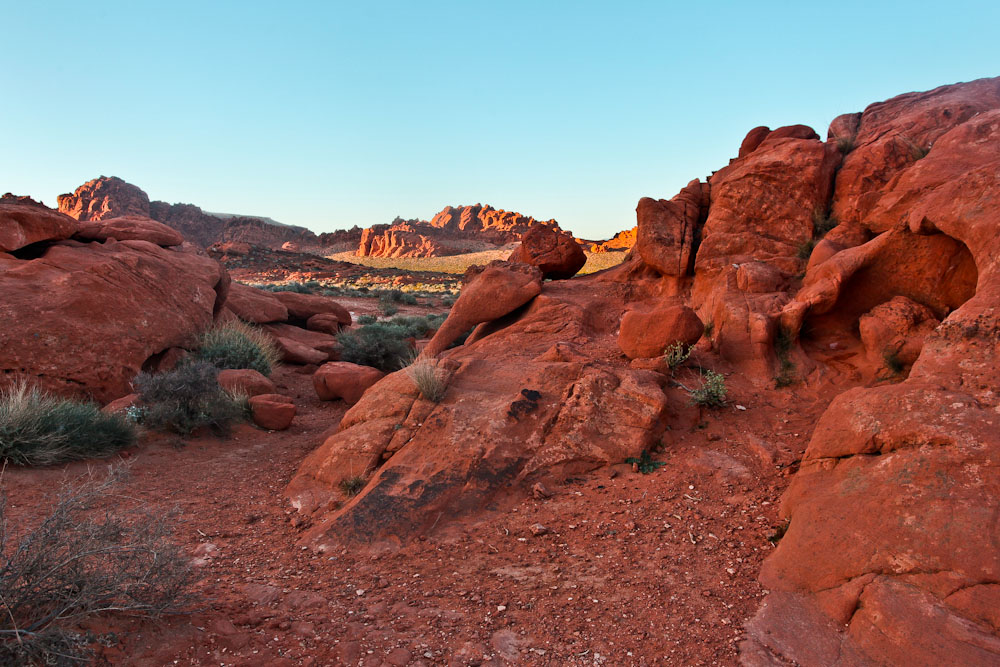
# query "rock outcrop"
(557, 255)
(452, 231)
(23, 222)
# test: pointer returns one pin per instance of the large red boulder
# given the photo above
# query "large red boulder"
(129, 228)
(24, 221)
(555, 253)
(666, 229)
(648, 333)
(254, 305)
(753, 140)
(493, 292)
(340, 379)
(84, 318)
(272, 411)
(303, 306)
(321, 342)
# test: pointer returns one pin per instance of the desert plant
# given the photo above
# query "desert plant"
(782, 350)
(301, 288)
(712, 392)
(676, 354)
(367, 319)
(645, 463)
(186, 398)
(387, 306)
(806, 248)
(234, 344)
(351, 486)
(823, 221)
(381, 345)
(88, 557)
(917, 152)
(430, 379)
(892, 361)
(39, 429)
(846, 144)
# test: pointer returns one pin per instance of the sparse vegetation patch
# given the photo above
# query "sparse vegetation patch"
(712, 392)
(187, 398)
(235, 344)
(39, 429)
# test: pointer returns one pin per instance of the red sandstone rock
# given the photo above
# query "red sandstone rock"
(498, 290)
(121, 404)
(790, 132)
(272, 411)
(23, 221)
(648, 333)
(340, 379)
(295, 352)
(105, 197)
(844, 126)
(319, 341)
(623, 240)
(753, 140)
(84, 318)
(665, 231)
(556, 254)
(304, 306)
(254, 305)
(325, 323)
(245, 381)
(896, 329)
(128, 228)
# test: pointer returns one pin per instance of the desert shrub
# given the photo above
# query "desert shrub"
(805, 249)
(380, 344)
(429, 379)
(235, 344)
(823, 222)
(645, 463)
(712, 392)
(367, 319)
(892, 361)
(782, 350)
(917, 152)
(676, 354)
(845, 144)
(84, 559)
(39, 429)
(448, 301)
(351, 486)
(399, 296)
(301, 288)
(418, 326)
(186, 398)
(387, 306)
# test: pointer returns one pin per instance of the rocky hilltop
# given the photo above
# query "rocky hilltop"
(110, 197)
(452, 231)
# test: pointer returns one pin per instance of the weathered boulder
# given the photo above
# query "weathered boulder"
(295, 352)
(128, 228)
(555, 253)
(253, 305)
(498, 289)
(272, 411)
(648, 333)
(753, 139)
(24, 221)
(894, 331)
(318, 341)
(303, 306)
(328, 323)
(85, 318)
(344, 380)
(245, 381)
(666, 229)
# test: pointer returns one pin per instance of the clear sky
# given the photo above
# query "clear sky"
(330, 114)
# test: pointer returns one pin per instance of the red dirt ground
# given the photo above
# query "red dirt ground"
(634, 569)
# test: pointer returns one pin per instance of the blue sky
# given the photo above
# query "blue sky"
(330, 114)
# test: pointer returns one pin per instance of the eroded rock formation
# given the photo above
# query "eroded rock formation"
(869, 262)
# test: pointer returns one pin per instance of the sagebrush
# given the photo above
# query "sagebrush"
(37, 428)
(234, 344)
(187, 398)
(87, 557)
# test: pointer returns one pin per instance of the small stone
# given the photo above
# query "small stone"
(540, 492)
(538, 529)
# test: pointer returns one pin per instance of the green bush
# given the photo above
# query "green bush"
(234, 344)
(367, 319)
(301, 288)
(39, 429)
(381, 345)
(186, 398)
(712, 392)
(676, 354)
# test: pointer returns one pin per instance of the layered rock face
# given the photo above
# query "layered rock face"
(85, 318)
(862, 262)
(111, 197)
(450, 232)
